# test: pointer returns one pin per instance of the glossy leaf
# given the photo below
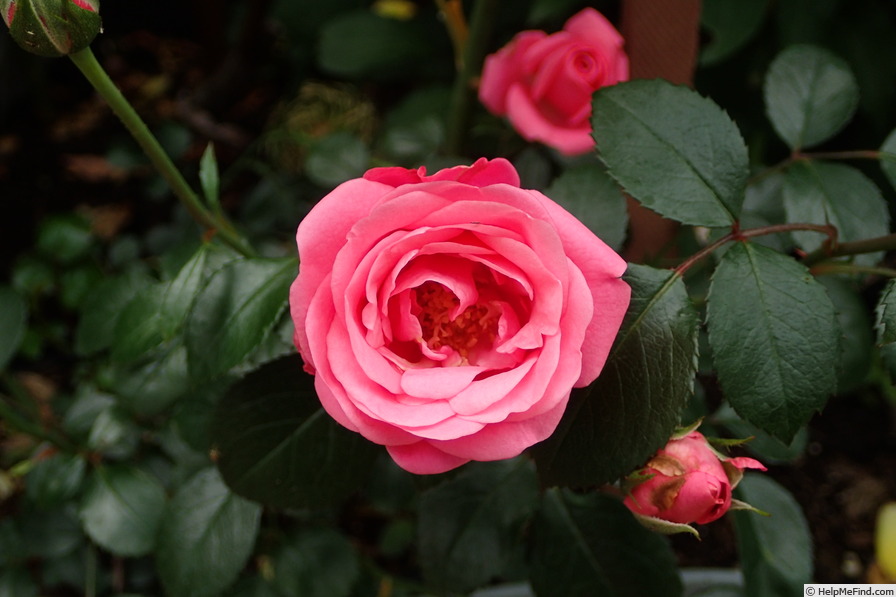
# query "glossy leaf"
(362, 44)
(674, 151)
(469, 527)
(645, 384)
(157, 314)
(886, 314)
(64, 238)
(888, 162)
(775, 550)
(16, 582)
(587, 192)
(122, 509)
(589, 544)
(102, 309)
(234, 312)
(337, 158)
(856, 332)
(774, 337)
(55, 480)
(276, 445)
(206, 537)
(810, 95)
(316, 563)
(837, 194)
(730, 24)
(151, 385)
(886, 327)
(13, 323)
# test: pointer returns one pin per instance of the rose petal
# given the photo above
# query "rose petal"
(421, 458)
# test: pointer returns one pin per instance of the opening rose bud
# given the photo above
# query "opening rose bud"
(448, 316)
(687, 482)
(543, 83)
(52, 27)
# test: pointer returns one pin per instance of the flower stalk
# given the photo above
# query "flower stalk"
(97, 76)
(482, 22)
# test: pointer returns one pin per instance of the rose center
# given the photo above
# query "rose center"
(476, 326)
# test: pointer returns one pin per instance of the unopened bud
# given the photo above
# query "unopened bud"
(52, 27)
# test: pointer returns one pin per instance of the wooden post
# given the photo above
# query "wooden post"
(661, 39)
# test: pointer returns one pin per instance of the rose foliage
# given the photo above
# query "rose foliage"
(408, 349)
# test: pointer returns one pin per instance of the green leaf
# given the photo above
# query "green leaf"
(234, 312)
(316, 563)
(886, 314)
(362, 44)
(768, 449)
(55, 480)
(113, 433)
(730, 24)
(138, 329)
(837, 194)
(157, 314)
(856, 334)
(774, 337)
(206, 537)
(13, 323)
(584, 545)
(103, 307)
(888, 162)
(64, 239)
(674, 151)
(51, 534)
(208, 176)
(469, 527)
(337, 158)
(588, 193)
(614, 425)
(775, 550)
(122, 509)
(150, 386)
(276, 445)
(16, 582)
(810, 95)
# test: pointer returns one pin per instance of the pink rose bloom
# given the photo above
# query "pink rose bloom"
(543, 83)
(448, 317)
(689, 482)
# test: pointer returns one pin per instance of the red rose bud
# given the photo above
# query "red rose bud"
(687, 481)
(52, 27)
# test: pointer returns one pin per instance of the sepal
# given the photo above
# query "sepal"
(664, 527)
(52, 28)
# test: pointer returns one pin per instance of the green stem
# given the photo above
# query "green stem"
(93, 71)
(481, 23)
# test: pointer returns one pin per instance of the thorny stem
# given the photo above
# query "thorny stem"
(93, 71)
(737, 234)
(858, 247)
(481, 23)
(851, 268)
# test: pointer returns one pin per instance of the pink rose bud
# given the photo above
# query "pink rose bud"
(687, 481)
(448, 316)
(52, 27)
(544, 83)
